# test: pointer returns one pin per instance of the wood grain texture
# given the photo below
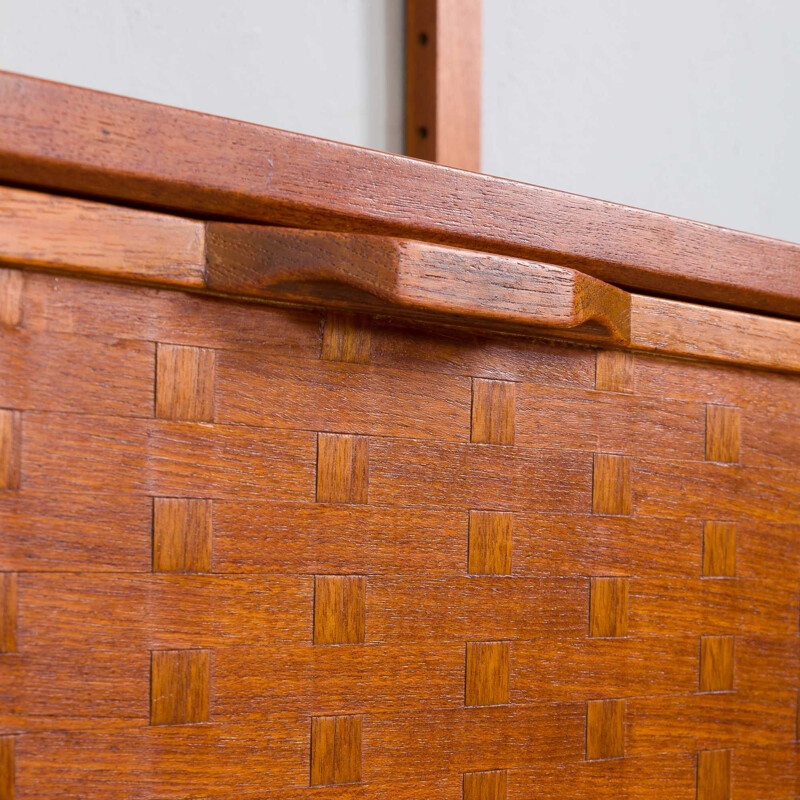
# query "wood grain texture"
(563, 669)
(179, 686)
(714, 775)
(473, 739)
(163, 611)
(398, 677)
(717, 334)
(493, 411)
(334, 397)
(443, 82)
(94, 144)
(611, 484)
(558, 544)
(494, 292)
(7, 767)
(8, 612)
(45, 531)
(256, 753)
(488, 785)
(305, 538)
(379, 273)
(709, 721)
(445, 351)
(723, 491)
(346, 338)
(10, 449)
(490, 543)
(185, 378)
(182, 535)
(323, 748)
(712, 607)
(11, 287)
(608, 607)
(716, 663)
(79, 535)
(605, 729)
(335, 749)
(469, 608)
(251, 682)
(768, 438)
(614, 424)
(665, 777)
(167, 458)
(342, 469)
(723, 434)
(415, 473)
(758, 546)
(347, 749)
(486, 682)
(77, 374)
(765, 772)
(765, 663)
(60, 304)
(719, 549)
(339, 615)
(614, 371)
(717, 384)
(42, 230)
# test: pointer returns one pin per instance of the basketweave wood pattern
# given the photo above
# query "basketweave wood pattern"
(257, 552)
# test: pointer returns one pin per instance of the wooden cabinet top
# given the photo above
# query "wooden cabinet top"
(80, 142)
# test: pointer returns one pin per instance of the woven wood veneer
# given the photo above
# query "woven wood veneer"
(257, 552)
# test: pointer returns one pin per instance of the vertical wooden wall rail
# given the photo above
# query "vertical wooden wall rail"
(443, 82)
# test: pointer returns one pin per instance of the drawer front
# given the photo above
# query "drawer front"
(249, 551)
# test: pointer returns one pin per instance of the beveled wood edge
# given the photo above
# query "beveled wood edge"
(406, 279)
(88, 143)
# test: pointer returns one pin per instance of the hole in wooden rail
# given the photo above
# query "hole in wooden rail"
(423, 132)
(423, 38)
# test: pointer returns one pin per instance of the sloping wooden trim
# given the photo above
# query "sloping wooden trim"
(406, 279)
(88, 143)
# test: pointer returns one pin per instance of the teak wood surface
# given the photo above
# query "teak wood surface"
(332, 513)
(443, 82)
(93, 144)
(378, 274)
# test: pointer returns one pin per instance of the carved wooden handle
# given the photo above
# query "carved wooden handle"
(411, 278)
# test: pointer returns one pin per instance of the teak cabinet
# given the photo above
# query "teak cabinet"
(327, 474)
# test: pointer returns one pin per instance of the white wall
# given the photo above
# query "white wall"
(331, 68)
(690, 107)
